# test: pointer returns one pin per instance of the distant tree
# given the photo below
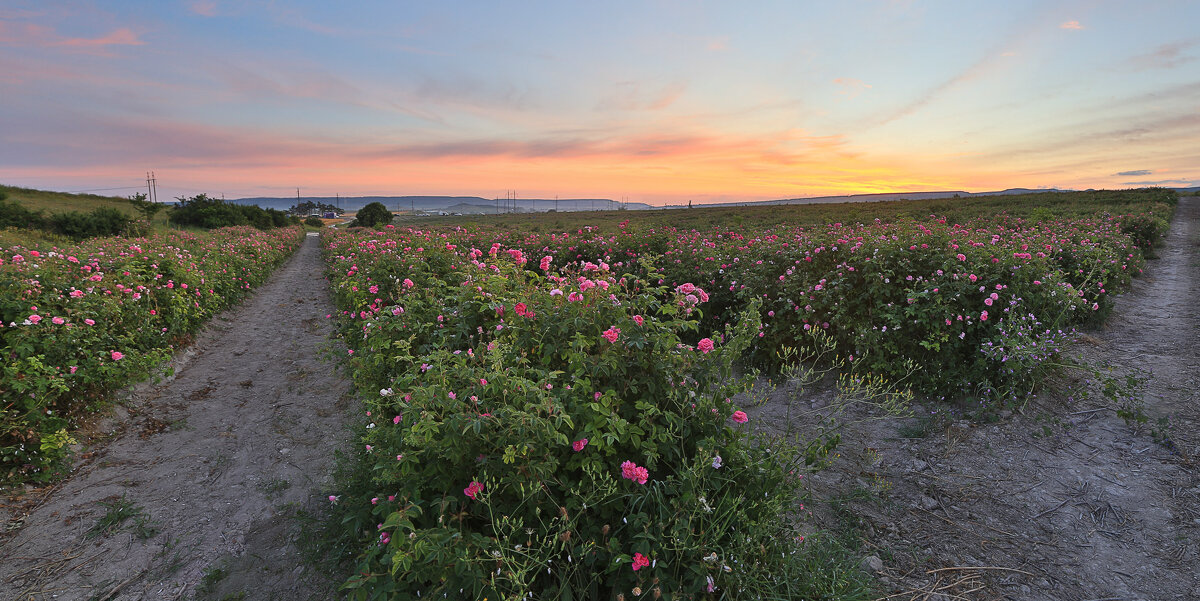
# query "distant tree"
(308, 207)
(314, 221)
(147, 208)
(374, 214)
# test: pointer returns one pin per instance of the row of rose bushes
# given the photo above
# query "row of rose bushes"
(79, 321)
(552, 434)
(968, 309)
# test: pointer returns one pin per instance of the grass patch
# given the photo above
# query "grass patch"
(118, 511)
(274, 486)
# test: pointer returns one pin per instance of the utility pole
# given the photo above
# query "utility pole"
(555, 203)
(149, 190)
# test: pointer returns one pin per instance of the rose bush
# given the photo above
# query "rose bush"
(79, 321)
(550, 433)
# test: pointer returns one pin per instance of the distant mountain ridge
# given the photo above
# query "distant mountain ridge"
(476, 205)
(460, 204)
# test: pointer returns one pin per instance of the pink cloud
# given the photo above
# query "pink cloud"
(1071, 25)
(204, 8)
(39, 36)
(120, 37)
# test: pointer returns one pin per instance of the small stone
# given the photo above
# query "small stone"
(284, 451)
(928, 504)
(872, 564)
(919, 465)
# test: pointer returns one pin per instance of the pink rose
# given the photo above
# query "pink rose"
(579, 444)
(705, 345)
(640, 561)
(611, 334)
(740, 417)
(473, 489)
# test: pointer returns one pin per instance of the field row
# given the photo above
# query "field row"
(79, 321)
(549, 412)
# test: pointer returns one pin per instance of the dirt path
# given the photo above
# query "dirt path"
(1063, 501)
(215, 463)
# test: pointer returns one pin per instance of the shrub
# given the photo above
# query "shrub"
(209, 213)
(560, 436)
(103, 221)
(314, 222)
(372, 215)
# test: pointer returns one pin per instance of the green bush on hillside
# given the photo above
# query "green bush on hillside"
(209, 213)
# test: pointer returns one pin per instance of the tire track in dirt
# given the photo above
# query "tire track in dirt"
(218, 460)
(1062, 501)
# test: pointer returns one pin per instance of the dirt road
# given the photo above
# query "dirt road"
(209, 468)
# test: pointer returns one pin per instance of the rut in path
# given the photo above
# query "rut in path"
(217, 461)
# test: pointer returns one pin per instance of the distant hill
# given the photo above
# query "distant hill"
(469, 204)
(882, 197)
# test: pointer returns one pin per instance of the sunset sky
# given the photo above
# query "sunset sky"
(659, 102)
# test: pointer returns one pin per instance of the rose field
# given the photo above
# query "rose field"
(549, 412)
(979, 398)
(78, 321)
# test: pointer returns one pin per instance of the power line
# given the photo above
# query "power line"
(103, 189)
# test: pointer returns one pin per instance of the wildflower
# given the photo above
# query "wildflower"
(520, 309)
(35, 318)
(472, 489)
(983, 316)
(716, 462)
(117, 355)
(579, 444)
(639, 561)
(333, 499)
(705, 345)
(740, 417)
(58, 321)
(638, 319)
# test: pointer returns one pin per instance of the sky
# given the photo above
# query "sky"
(658, 102)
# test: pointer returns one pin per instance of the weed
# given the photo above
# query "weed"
(213, 575)
(118, 510)
(274, 486)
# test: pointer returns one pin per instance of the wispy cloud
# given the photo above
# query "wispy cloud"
(119, 37)
(1165, 56)
(1134, 173)
(851, 87)
(1163, 182)
(204, 8)
(40, 36)
(635, 96)
(1071, 25)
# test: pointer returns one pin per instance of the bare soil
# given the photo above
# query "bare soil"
(216, 463)
(1062, 500)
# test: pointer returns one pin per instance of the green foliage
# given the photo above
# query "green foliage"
(209, 213)
(510, 416)
(145, 207)
(314, 222)
(15, 215)
(372, 215)
(100, 222)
